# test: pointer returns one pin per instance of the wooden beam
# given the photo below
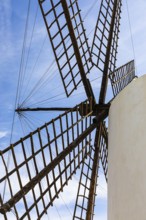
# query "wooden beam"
(86, 82)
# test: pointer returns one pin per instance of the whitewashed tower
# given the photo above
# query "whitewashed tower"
(127, 154)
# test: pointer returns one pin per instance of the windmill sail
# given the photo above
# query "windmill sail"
(83, 195)
(103, 150)
(106, 35)
(68, 39)
(122, 76)
(105, 42)
(83, 206)
(43, 162)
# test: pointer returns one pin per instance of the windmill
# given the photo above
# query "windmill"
(76, 127)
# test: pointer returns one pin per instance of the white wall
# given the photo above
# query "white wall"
(127, 154)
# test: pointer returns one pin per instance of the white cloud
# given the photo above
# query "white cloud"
(5, 26)
(3, 134)
(102, 188)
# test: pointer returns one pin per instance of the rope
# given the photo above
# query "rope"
(16, 98)
(42, 82)
(34, 66)
(60, 94)
(28, 54)
(90, 9)
(38, 85)
(132, 41)
(20, 79)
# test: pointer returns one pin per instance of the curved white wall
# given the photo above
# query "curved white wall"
(127, 154)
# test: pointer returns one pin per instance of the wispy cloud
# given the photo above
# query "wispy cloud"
(5, 33)
(3, 134)
(102, 187)
(5, 10)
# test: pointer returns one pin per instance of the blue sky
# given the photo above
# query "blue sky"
(12, 22)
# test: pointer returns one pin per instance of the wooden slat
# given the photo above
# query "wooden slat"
(122, 76)
(103, 150)
(106, 35)
(39, 150)
(64, 37)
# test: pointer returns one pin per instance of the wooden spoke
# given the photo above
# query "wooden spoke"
(85, 201)
(105, 42)
(69, 42)
(83, 196)
(43, 162)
